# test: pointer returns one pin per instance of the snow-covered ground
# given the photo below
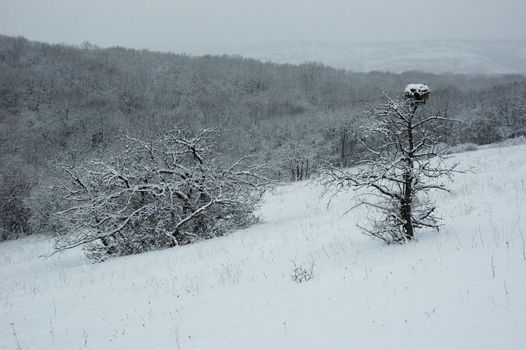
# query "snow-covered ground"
(463, 288)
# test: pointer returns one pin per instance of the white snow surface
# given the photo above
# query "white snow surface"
(420, 88)
(462, 288)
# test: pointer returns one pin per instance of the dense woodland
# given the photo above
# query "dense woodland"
(64, 105)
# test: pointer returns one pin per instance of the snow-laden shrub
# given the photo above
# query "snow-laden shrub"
(15, 184)
(302, 273)
(161, 193)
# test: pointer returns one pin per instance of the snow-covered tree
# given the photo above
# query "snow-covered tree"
(404, 161)
(160, 193)
(15, 184)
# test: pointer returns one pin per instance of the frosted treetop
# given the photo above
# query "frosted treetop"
(416, 91)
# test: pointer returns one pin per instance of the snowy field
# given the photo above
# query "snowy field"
(463, 288)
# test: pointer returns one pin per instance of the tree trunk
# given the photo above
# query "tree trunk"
(406, 209)
(406, 202)
(343, 162)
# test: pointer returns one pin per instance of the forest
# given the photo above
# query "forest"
(65, 105)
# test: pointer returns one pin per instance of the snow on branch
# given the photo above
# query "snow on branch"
(157, 193)
(404, 161)
(418, 92)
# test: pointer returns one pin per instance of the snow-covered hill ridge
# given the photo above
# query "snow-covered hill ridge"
(463, 288)
(488, 57)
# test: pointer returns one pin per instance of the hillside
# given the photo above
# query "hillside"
(62, 104)
(487, 57)
(462, 288)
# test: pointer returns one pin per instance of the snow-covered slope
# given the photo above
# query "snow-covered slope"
(463, 288)
(489, 57)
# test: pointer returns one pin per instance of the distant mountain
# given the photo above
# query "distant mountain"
(489, 57)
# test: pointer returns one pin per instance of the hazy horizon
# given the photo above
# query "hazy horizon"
(205, 26)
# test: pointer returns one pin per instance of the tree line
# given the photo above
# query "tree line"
(71, 105)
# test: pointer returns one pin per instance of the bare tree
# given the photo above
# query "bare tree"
(157, 194)
(15, 184)
(404, 161)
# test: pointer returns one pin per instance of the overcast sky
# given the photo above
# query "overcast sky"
(199, 26)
